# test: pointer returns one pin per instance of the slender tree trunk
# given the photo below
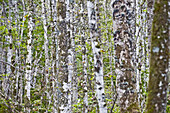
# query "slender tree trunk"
(55, 56)
(98, 64)
(140, 51)
(69, 18)
(74, 77)
(17, 59)
(44, 16)
(9, 51)
(29, 59)
(84, 58)
(63, 55)
(158, 76)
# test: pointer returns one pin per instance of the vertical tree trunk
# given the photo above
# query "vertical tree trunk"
(158, 76)
(9, 51)
(63, 55)
(22, 36)
(69, 18)
(29, 59)
(98, 64)
(55, 56)
(84, 58)
(17, 44)
(124, 44)
(141, 55)
(74, 77)
(44, 16)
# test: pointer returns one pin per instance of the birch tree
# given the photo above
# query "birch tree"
(63, 55)
(98, 64)
(46, 50)
(55, 55)
(159, 59)
(84, 57)
(69, 20)
(29, 59)
(124, 45)
(141, 51)
(9, 39)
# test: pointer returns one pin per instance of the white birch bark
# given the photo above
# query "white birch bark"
(70, 54)
(74, 78)
(44, 17)
(16, 58)
(98, 64)
(55, 59)
(138, 47)
(9, 51)
(22, 32)
(9, 39)
(29, 60)
(1, 58)
(142, 49)
(84, 58)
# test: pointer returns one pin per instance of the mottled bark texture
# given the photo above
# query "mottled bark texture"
(29, 59)
(84, 59)
(46, 51)
(98, 64)
(125, 45)
(158, 77)
(63, 55)
(55, 55)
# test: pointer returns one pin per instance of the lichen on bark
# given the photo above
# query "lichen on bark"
(125, 45)
(158, 76)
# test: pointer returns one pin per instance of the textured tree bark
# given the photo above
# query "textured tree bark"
(74, 77)
(17, 53)
(98, 64)
(158, 76)
(44, 10)
(69, 20)
(29, 59)
(141, 52)
(125, 45)
(63, 55)
(22, 33)
(55, 56)
(84, 59)
(9, 39)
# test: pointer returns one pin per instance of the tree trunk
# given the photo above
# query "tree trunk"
(29, 59)
(98, 64)
(63, 55)
(158, 76)
(124, 45)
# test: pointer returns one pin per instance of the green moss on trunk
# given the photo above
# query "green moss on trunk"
(158, 78)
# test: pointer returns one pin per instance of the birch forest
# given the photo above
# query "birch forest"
(84, 56)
